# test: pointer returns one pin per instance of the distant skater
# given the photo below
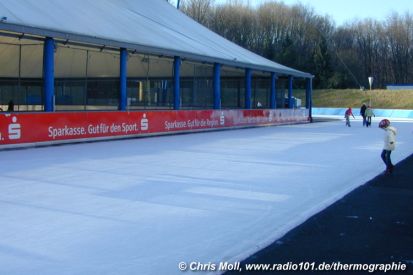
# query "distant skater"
(363, 113)
(389, 144)
(368, 114)
(347, 115)
(10, 106)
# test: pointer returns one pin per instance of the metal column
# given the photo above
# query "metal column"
(177, 72)
(123, 75)
(248, 76)
(48, 74)
(273, 93)
(290, 92)
(309, 97)
(217, 86)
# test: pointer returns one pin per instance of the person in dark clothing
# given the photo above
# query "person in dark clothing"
(363, 113)
(10, 107)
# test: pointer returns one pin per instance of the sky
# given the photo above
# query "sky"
(141, 206)
(344, 11)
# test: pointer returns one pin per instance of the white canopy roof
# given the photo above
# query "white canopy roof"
(148, 26)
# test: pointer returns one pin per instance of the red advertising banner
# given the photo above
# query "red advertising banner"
(29, 128)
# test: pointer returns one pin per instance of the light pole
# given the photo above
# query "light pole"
(371, 84)
(371, 81)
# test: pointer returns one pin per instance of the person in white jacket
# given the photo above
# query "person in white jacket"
(389, 144)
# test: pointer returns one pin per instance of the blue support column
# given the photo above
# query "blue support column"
(309, 97)
(248, 77)
(273, 92)
(290, 92)
(123, 75)
(217, 86)
(177, 73)
(48, 74)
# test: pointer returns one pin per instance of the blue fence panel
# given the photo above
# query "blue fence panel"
(390, 113)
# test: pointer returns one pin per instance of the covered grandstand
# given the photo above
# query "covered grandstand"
(129, 55)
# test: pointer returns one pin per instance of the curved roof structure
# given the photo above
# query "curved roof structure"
(147, 26)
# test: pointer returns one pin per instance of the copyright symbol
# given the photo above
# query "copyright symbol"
(182, 266)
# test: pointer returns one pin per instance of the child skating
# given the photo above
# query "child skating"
(389, 144)
(347, 115)
(369, 113)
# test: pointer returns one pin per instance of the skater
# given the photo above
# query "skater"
(10, 106)
(389, 144)
(347, 115)
(363, 113)
(368, 114)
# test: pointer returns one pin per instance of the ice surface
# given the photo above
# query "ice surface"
(141, 206)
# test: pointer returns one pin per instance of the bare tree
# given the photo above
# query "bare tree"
(296, 36)
(199, 10)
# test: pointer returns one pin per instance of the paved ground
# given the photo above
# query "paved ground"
(372, 224)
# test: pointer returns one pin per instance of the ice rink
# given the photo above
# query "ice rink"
(142, 206)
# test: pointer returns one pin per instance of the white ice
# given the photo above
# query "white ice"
(141, 206)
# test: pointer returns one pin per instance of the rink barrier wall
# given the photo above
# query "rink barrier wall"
(389, 113)
(37, 129)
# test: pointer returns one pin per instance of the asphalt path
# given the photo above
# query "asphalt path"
(371, 225)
